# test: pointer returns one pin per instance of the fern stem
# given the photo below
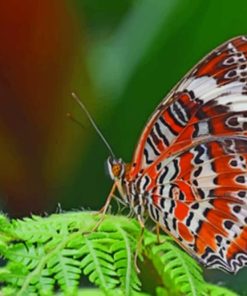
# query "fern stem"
(127, 287)
(97, 264)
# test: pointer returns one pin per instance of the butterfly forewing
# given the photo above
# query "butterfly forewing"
(191, 159)
(215, 86)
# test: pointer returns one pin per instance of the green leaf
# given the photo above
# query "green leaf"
(52, 254)
(179, 272)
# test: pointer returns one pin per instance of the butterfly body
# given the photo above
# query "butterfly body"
(189, 170)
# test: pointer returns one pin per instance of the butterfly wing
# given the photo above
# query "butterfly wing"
(192, 156)
(215, 87)
(200, 199)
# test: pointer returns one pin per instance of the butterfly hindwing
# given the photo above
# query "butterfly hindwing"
(200, 199)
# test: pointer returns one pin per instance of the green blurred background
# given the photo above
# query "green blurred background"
(121, 57)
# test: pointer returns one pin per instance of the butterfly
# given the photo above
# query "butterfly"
(189, 169)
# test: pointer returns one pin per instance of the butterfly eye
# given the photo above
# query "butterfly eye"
(116, 170)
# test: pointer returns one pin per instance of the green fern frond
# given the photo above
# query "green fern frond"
(65, 268)
(5, 233)
(96, 260)
(123, 250)
(52, 254)
(179, 272)
(43, 229)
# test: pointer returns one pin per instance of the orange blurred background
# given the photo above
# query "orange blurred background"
(38, 52)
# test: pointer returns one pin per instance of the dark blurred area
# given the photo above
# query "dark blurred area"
(121, 57)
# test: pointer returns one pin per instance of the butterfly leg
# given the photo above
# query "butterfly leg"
(158, 233)
(103, 210)
(157, 227)
(108, 200)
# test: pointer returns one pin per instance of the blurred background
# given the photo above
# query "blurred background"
(121, 57)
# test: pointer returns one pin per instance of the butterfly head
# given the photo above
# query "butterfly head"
(116, 168)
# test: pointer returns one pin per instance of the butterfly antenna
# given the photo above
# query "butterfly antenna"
(72, 118)
(90, 118)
